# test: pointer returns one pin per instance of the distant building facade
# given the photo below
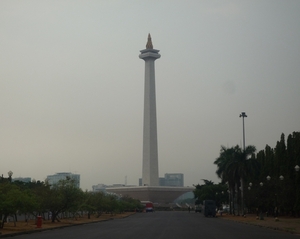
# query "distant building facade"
(161, 181)
(102, 187)
(24, 180)
(170, 180)
(55, 178)
(174, 179)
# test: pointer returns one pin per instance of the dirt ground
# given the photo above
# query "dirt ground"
(287, 224)
(21, 226)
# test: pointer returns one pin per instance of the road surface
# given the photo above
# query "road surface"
(163, 225)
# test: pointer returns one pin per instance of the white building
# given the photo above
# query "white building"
(174, 179)
(54, 179)
(24, 180)
(170, 180)
(99, 187)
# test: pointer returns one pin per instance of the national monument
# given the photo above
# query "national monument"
(150, 189)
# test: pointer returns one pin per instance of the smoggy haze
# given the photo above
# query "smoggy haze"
(71, 84)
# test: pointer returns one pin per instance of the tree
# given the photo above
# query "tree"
(127, 203)
(211, 191)
(234, 165)
(88, 203)
(64, 196)
(100, 203)
(13, 200)
(293, 155)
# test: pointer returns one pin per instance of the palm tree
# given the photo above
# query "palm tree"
(234, 165)
(223, 162)
(243, 165)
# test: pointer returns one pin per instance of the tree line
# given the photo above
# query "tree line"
(263, 182)
(53, 202)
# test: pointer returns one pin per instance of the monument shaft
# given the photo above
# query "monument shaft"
(150, 153)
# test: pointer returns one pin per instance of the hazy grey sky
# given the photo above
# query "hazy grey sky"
(71, 84)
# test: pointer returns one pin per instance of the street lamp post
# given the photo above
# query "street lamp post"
(10, 173)
(277, 191)
(278, 196)
(243, 115)
(297, 203)
(258, 204)
(261, 217)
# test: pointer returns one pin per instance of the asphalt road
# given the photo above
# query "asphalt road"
(163, 225)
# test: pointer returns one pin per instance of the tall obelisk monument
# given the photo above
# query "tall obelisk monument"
(150, 155)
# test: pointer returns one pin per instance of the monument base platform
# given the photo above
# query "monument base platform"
(155, 194)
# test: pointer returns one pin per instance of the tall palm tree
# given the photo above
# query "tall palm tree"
(243, 165)
(234, 165)
(223, 162)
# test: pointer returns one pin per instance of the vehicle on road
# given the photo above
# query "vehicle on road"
(209, 208)
(148, 206)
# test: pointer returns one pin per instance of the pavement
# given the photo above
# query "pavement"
(286, 224)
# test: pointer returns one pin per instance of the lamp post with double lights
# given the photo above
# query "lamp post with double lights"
(261, 184)
(257, 195)
(281, 178)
